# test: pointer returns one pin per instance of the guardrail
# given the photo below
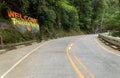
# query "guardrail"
(17, 44)
(112, 40)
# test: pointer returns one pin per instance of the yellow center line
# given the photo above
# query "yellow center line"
(78, 60)
(83, 66)
(73, 64)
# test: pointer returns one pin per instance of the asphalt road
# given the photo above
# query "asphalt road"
(70, 57)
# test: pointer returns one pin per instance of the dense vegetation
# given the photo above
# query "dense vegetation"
(66, 16)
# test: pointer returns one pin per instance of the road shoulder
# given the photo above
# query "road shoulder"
(9, 58)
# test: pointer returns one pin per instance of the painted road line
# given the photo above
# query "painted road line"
(69, 47)
(73, 64)
(79, 61)
(18, 62)
(83, 66)
(105, 48)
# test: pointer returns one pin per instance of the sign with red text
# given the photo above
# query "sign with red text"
(24, 23)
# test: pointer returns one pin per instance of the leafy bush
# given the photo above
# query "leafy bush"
(14, 36)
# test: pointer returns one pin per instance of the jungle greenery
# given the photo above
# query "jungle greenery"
(60, 17)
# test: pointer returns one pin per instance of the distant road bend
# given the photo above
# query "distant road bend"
(70, 57)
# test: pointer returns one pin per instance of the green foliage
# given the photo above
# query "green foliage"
(84, 8)
(3, 8)
(112, 16)
(65, 16)
(14, 36)
(25, 6)
(98, 13)
(70, 18)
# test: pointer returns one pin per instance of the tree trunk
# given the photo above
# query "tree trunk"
(58, 20)
(119, 5)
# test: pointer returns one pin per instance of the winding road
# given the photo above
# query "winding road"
(69, 57)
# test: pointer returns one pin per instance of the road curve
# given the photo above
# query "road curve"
(70, 57)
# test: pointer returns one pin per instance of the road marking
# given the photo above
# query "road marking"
(105, 48)
(69, 48)
(83, 66)
(78, 60)
(9, 70)
(73, 64)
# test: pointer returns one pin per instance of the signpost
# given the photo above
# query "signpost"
(1, 41)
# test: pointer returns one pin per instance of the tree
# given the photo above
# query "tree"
(98, 14)
(84, 8)
(111, 19)
(3, 8)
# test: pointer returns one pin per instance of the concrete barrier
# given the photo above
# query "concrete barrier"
(112, 40)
